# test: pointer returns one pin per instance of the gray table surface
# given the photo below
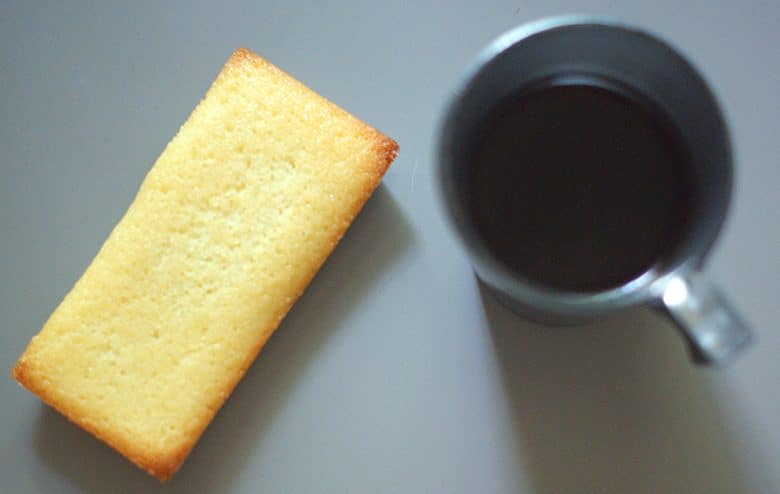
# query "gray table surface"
(394, 373)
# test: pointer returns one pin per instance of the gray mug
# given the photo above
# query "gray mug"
(712, 328)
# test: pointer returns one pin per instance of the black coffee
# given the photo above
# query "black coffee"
(580, 187)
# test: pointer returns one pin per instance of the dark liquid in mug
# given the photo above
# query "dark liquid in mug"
(578, 187)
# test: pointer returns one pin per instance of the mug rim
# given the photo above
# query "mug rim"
(638, 290)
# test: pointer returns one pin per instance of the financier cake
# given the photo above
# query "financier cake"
(226, 231)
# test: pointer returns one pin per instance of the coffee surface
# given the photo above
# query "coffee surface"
(577, 186)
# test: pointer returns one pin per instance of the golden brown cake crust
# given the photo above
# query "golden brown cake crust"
(163, 463)
(161, 466)
(388, 147)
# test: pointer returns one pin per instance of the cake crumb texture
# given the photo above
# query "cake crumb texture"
(227, 229)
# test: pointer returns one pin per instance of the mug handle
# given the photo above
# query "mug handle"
(710, 324)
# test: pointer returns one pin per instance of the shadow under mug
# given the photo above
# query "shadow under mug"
(613, 50)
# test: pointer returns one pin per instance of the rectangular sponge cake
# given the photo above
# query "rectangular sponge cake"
(227, 229)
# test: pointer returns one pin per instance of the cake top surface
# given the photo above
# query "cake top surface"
(228, 227)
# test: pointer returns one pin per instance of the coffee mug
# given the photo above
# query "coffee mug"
(587, 168)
